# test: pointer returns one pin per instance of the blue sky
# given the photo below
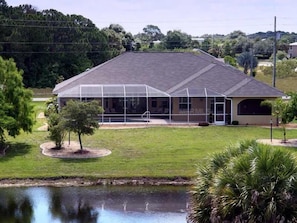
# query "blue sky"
(195, 17)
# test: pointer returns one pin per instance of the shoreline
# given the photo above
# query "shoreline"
(83, 182)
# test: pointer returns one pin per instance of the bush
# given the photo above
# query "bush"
(203, 124)
(56, 129)
(235, 122)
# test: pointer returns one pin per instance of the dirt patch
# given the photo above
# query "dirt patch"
(279, 142)
(72, 151)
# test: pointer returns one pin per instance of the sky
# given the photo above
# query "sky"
(194, 17)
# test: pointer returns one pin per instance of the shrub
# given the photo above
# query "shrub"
(203, 124)
(235, 122)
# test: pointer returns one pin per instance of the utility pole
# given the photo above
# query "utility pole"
(252, 58)
(274, 54)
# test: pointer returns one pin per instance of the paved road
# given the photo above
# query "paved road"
(40, 99)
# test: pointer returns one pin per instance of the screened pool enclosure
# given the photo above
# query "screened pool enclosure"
(141, 103)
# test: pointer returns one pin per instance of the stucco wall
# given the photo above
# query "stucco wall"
(250, 119)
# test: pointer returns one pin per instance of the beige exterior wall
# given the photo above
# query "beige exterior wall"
(250, 119)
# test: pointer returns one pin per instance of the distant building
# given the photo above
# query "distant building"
(198, 39)
(292, 53)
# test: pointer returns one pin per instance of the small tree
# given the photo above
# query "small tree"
(51, 106)
(16, 110)
(281, 110)
(230, 60)
(56, 129)
(81, 117)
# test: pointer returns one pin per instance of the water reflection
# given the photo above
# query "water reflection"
(96, 204)
(15, 208)
(66, 211)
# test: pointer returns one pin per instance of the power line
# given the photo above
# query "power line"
(53, 43)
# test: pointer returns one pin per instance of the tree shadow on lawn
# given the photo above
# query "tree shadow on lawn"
(14, 150)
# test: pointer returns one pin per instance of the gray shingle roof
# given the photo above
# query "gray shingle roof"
(172, 72)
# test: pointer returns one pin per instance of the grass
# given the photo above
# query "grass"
(157, 152)
(287, 84)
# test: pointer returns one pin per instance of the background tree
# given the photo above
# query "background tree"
(263, 48)
(248, 183)
(206, 44)
(16, 109)
(81, 118)
(230, 60)
(284, 68)
(177, 40)
(150, 34)
(114, 41)
(48, 45)
(247, 61)
(153, 32)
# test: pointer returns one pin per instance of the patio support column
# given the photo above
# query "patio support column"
(147, 100)
(103, 106)
(206, 101)
(188, 105)
(125, 105)
(214, 109)
(80, 92)
(59, 102)
(170, 112)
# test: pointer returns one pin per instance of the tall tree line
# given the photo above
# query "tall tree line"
(50, 46)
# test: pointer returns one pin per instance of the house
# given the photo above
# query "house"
(186, 87)
(292, 53)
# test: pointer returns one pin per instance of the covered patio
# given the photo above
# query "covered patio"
(142, 103)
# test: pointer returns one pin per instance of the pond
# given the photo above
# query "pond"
(100, 204)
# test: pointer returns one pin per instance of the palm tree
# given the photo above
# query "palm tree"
(247, 61)
(250, 183)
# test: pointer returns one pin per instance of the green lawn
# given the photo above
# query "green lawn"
(147, 152)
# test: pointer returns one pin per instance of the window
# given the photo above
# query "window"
(253, 107)
(183, 103)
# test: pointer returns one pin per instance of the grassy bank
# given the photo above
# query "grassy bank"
(156, 152)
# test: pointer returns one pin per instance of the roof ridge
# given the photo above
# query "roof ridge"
(237, 86)
(190, 78)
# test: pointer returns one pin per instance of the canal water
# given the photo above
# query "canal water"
(100, 204)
